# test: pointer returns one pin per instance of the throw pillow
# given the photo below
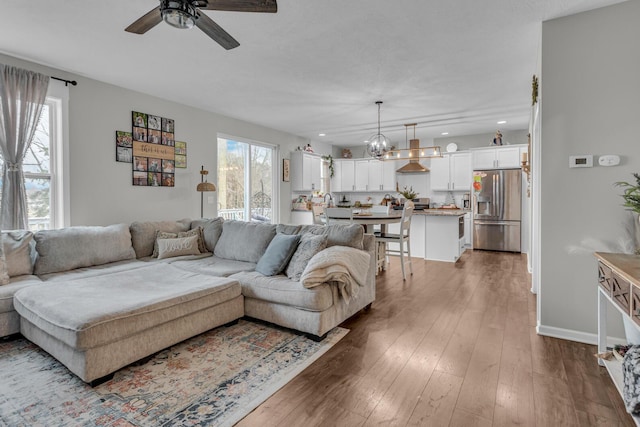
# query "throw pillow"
(4, 273)
(244, 241)
(212, 229)
(143, 234)
(308, 247)
(19, 252)
(161, 235)
(168, 248)
(351, 235)
(278, 253)
(198, 231)
(166, 235)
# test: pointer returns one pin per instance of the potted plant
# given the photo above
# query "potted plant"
(631, 198)
(408, 194)
(631, 193)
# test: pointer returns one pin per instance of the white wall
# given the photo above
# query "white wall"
(590, 105)
(100, 188)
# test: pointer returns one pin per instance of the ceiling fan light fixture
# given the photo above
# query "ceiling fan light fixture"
(178, 14)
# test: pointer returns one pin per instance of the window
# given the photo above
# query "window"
(40, 166)
(246, 180)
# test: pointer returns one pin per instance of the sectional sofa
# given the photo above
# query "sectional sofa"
(100, 298)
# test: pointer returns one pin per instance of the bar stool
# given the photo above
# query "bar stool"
(402, 239)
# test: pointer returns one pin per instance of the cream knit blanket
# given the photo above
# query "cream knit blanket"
(345, 266)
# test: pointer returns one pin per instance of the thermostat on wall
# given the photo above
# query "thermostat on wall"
(581, 161)
(609, 160)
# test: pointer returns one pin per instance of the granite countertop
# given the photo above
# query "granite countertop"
(442, 212)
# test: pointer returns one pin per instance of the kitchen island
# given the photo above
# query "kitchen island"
(444, 234)
(435, 234)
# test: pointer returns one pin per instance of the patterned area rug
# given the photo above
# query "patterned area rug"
(213, 379)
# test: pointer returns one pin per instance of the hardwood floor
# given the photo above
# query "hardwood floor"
(454, 345)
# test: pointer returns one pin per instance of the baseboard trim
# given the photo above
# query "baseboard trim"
(578, 336)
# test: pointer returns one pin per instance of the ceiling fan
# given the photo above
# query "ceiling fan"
(187, 13)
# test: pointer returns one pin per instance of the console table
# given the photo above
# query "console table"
(618, 286)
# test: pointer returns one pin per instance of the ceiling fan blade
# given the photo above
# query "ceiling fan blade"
(265, 6)
(146, 22)
(216, 32)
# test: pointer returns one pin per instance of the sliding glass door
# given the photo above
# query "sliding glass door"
(246, 180)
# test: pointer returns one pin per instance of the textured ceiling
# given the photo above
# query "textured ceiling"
(454, 66)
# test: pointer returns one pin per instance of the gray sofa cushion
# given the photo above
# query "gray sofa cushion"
(244, 241)
(7, 292)
(338, 234)
(212, 229)
(129, 302)
(74, 247)
(19, 252)
(143, 234)
(309, 246)
(281, 290)
(278, 253)
(213, 266)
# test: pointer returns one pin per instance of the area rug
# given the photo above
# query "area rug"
(213, 379)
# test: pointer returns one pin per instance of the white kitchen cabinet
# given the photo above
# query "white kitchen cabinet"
(382, 175)
(497, 157)
(336, 179)
(452, 172)
(375, 175)
(361, 178)
(348, 175)
(363, 175)
(305, 171)
(389, 175)
(440, 173)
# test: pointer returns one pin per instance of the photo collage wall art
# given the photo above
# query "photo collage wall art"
(152, 150)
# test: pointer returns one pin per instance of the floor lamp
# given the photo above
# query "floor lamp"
(203, 186)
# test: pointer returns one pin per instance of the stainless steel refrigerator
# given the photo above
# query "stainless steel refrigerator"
(497, 210)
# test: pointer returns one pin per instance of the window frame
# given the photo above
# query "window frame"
(275, 172)
(57, 100)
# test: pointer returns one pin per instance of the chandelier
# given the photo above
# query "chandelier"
(377, 144)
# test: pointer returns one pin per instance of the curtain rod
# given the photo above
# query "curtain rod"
(66, 82)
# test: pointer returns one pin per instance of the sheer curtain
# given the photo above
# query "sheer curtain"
(22, 95)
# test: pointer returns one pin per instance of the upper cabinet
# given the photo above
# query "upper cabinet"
(363, 175)
(496, 157)
(451, 172)
(305, 171)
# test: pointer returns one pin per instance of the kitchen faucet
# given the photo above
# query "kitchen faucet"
(330, 200)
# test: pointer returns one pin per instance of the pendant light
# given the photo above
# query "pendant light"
(414, 152)
(377, 145)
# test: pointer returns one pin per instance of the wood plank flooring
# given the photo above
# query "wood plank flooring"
(454, 345)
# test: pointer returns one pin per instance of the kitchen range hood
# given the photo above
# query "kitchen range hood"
(414, 165)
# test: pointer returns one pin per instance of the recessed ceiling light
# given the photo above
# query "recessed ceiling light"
(444, 133)
(322, 134)
(366, 141)
(501, 122)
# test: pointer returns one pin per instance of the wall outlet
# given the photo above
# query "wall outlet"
(210, 200)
